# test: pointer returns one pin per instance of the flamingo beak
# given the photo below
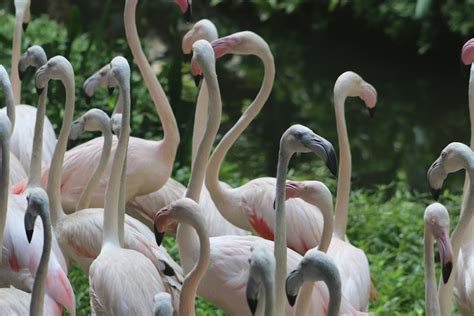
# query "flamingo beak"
(371, 112)
(436, 176)
(111, 90)
(159, 224)
(29, 226)
(291, 190)
(323, 148)
(185, 6)
(252, 305)
(291, 285)
(25, 26)
(445, 254)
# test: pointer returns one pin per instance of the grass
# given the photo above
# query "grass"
(387, 223)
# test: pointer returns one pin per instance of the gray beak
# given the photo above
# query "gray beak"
(323, 148)
(29, 226)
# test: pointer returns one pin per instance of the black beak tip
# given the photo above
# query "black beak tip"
(21, 74)
(111, 90)
(158, 236)
(447, 268)
(436, 193)
(25, 26)
(252, 305)
(87, 98)
(39, 90)
(331, 163)
(187, 57)
(291, 299)
(371, 112)
(274, 204)
(29, 234)
(197, 80)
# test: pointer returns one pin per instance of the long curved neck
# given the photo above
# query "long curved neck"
(345, 169)
(191, 282)
(55, 171)
(37, 151)
(471, 120)
(122, 203)
(280, 232)
(303, 302)
(9, 100)
(37, 296)
(218, 192)
(86, 195)
(4, 180)
(431, 290)
(200, 119)
(111, 205)
(445, 291)
(328, 226)
(335, 295)
(16, 52)
(170, 127)
(214, 117)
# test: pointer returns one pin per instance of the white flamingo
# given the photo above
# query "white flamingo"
(121, 273)
(454, 157)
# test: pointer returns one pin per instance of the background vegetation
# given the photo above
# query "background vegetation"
(409, 52)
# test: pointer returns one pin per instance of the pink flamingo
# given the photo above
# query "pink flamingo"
(122, 281)
(21, 263)
(436, 225)
(454, 157)
(150, 162)
(250, 206)
(24, 131)
(149, 204)
(221, 263)
(80, 233)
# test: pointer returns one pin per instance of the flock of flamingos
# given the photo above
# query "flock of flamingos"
(296, 241)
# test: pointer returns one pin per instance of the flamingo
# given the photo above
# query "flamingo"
(16, 301)
(436, 225)
(143, 174)
(18, 173)
(149, 204)
(24, 131)
(250, 206)
(261, 274)
(118, 272)
(316, 266)
(464, 283)
(80, 234)
(351, 261)
(224, 257)
(93, 120)
(454, 157)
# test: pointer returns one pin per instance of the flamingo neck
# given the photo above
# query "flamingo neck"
(170, 127)
(86, 194)
(191, 282)
(269, 289)
(334, 286)
(445, 291)
(303, 301)
(9, 98)
(280, 249)
(200, 119)
(431, 290)
(37, 153)
(328, 226)
(4, 184)
(122, 203)
(16, 52)
(55, 171)
(214, 117)
(471, 120)
(37, 296)
(219, 193)
(344, 173)
(111, 213)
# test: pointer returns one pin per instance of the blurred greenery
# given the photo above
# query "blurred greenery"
(409, 50)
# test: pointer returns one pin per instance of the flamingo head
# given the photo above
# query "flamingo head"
(241, 43)
(91, 83)
(34, 57)
(467, 52)
(57, 68)
(437, 223)
(93, 120)
(313, 192)
(203, 56)
(38, 204)
(203, 29)
(299, 138)
(350, 84)
(449, 161)
(183, 210)
(185, 6)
